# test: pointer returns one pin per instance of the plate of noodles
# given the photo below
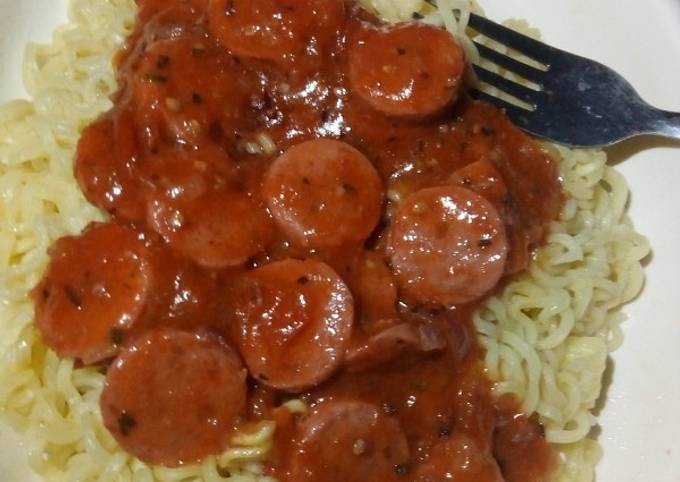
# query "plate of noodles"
(569, 354)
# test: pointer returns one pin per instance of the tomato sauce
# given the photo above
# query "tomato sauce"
(312, 191)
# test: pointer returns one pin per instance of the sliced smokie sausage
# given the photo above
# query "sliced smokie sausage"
(104, 166)
(199, 207)
(324, 193)
(174, 397)
(458, 458)
(408, 70)
(171, 107)
(394, 342)
(483, 178)
(374, 289)
(276, 30)
(296, 323)
(95, 290)
(348, 441)
(448, 246)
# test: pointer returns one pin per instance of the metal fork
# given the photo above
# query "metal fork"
(579, 102)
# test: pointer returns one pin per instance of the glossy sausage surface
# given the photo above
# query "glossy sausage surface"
(448, 246)
(408, 70)
(275, 30)
(324, 193)
(95, 292)
(174, 397)
(345, 441)
(296, 321)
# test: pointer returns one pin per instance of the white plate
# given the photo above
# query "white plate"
(641, 419)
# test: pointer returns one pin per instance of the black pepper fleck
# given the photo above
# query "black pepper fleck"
(117, 336)
(159, 79)
(222, 472)
(401, 469)
(163, 61)
(73, 296)
(126, 423)
(303, 280)
(444, 431)
(251, 264)
(196, 98)
(231, 8)
(388, 408)
(417, 16)
(485, 241)
(348, 187)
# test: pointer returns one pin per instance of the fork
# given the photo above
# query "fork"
(578, 102)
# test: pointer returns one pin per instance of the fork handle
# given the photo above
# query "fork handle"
(665, 123)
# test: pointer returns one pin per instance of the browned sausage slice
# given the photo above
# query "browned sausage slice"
(174, 397)
(394, 342)
(104, 167)
(324, 193)
(200, 209)
(458, 458)
(483, 178)
(296, 323)
(276, 30)
(95, 290)
(350, 442)
(407, 70)
(448, 246)
(221, 230)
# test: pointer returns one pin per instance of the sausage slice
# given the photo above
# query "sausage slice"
(448, 246)
(174, 397)
(374, 289)
(458, 458)
(199, 207)
(394, 342)
(483, 178)
(349, 441)
(408, 70)
(324, 193)
(296, 323)
(274, 30)
(104, 166)
(95, 290)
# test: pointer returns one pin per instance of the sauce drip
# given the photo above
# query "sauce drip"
(280, 188)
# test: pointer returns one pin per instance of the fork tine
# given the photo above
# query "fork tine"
(517, 114)
(520, 68)
(526, 45)
(506, 85)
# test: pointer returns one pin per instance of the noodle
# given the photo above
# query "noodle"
(546, 336)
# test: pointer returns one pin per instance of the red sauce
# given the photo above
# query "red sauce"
(285, 250)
